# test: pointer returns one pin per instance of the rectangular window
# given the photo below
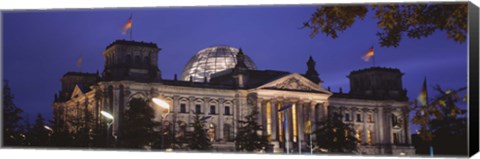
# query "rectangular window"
(347, 117)
(227, 110)
(212, 109)
(198, 109)
(370, 118)
(359, 118)
(183, 108)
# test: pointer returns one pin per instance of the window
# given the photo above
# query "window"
(369, 137)
(227, 110)
(395, 121)
(395, 138)
(137, 59)
(198, 109)
(358, 135)
(359, 118)
(212, 109)
(347, 117)
(147, 61)
(227, 132)
(370, 118)
(129, 59)
(337, 116)
(183, 108)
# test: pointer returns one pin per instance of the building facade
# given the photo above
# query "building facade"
(230, 88)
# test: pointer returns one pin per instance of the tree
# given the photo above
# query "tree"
(443, 123)
(335, 136)
(137, 128)
(199, 139)
(247, 138)
(40, 136)
(394, 20)
(11, 118)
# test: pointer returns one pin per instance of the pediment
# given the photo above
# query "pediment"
(294, 82)
(77, 92)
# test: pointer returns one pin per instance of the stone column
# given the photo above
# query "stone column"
(261, 112)
(313, 118)
(388, 126)
(407, 128)
(263, 115)
(191, 109)
(300, 124)
(376, 126)
(116, 111)
(206, 106)
(381, 126)
(274, 119)
(221, 120)
(174, 111)
(365, 127)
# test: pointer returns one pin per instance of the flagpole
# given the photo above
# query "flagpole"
(286, 130)
(373, 60)
(428, 114)
(131, 29)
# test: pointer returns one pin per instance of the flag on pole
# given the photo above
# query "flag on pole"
(285, 107)
(422, 97)
(127, 26)
(308, 125)
(369, 54)
(79, 61)
(205, 118)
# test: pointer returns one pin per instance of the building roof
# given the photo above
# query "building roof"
(376, 69)
(197, 84)
(134, 43)
(80, 74)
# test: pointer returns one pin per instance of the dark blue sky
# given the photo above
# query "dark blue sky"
(40, 46)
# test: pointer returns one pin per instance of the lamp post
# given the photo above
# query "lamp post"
(162, 104)
(109, 125)
(50, 132)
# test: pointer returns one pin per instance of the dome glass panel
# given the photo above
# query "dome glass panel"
(212, 60)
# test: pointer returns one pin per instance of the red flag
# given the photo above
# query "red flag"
(368, 54)
(127, 26)
(422, 97)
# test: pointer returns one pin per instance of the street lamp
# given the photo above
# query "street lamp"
(50, 132)
(109, 125)
(162, 104)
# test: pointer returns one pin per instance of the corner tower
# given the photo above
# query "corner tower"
(131, 60)
(312, 73)
(377, 83)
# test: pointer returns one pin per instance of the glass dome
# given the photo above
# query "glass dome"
(212, 60)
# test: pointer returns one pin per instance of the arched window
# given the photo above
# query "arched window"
(129, 59)
(147, 61)
(137, 59)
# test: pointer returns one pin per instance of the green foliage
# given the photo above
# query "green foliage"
(11, 117)
(394, 20)
(442, 108)
(199, 139)
(335, 136)
(137, 128)
(247, 138)
(39, 135)
(443, 123)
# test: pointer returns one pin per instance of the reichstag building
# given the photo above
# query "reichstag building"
(222, 82)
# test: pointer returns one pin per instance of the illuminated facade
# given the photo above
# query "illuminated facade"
(375, 105)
